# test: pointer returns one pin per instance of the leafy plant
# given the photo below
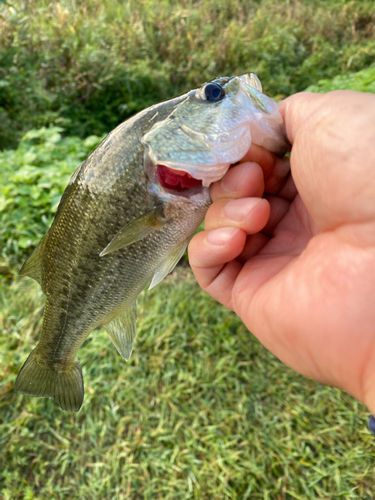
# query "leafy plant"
(32, 180)
(363, 81)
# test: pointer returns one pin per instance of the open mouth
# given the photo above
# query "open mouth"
(176, 180)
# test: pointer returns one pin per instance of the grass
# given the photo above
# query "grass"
(201, 411)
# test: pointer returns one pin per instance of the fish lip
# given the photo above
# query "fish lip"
(208, 175)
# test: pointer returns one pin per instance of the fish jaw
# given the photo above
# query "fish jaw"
(203, 139)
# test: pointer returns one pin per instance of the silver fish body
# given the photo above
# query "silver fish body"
(126, 217)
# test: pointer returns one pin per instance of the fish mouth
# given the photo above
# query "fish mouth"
(176, 180)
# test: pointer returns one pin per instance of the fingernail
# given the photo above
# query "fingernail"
(239, 210)
(221, 236)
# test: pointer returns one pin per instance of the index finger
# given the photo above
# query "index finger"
(262, 156)
(247, 177)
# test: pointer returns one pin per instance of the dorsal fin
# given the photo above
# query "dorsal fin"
(32, 268)
(168, 264)
(122, 330)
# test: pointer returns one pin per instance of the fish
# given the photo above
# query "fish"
(126, 217)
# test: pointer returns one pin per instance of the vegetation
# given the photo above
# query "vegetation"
(363, 81)
(202, 410)
(86, 66)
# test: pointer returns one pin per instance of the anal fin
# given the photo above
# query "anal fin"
(136, 230)
(168, 264)
(122, 331)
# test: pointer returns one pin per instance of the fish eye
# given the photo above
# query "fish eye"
(213, 92)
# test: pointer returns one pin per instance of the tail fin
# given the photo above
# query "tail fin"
(38, 379)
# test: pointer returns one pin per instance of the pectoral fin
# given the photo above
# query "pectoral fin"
(32, 268)
(136, 230)
(122, 331)
(168, 264)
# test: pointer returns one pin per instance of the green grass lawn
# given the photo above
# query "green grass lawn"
(201, 411)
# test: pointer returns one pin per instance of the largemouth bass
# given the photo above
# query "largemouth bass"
(126, 217)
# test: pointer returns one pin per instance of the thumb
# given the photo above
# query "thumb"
(333, 137)
(296, 109)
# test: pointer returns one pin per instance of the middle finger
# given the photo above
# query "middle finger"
(248, 214)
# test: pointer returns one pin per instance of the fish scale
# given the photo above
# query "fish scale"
(117, 227)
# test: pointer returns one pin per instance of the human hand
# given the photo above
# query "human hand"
(298, 265)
